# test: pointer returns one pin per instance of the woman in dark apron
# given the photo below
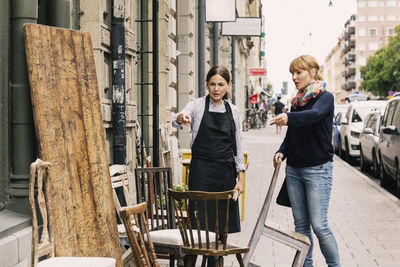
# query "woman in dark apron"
(217, 159)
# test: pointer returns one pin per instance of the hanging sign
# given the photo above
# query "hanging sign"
(258, 72)
(220, 10)
(242, 27)
(254, 99)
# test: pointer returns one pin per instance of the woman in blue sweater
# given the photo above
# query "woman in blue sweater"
(308, 150)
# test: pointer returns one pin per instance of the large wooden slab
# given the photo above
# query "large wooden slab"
(70, 135)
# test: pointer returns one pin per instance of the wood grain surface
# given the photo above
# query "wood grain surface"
(70, 135)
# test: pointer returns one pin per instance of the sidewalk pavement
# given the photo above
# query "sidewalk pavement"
(364, 217)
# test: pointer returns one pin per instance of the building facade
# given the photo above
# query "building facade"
(332, 70)
(349, 56)
(363, 34)
(375, 23)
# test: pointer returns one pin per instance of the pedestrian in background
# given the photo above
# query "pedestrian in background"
(308, 150)
(217, 158)
(277, 109)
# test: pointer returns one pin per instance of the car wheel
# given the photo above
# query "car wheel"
(382, 174)
(340, 150)
(335, 148)
(347, 156)
(341, 154)
(375, 166)
(363, 164)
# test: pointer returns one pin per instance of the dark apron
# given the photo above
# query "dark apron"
(213, 168)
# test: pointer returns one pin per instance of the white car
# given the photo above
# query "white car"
(351, 127)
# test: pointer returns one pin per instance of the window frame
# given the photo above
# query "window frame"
(396, 114)
(370, 30)
(389, 114)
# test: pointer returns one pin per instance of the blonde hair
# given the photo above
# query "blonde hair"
(306, 62)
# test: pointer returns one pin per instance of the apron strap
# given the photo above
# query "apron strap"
(233, 127)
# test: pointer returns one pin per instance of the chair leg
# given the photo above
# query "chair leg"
(171, 260)
(240, 260)
(180, 262)
(220, 261)
(190, 260)
(203, 262)
(300, 257)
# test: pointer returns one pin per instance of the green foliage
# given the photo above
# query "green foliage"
(180, 187)
(382, 71)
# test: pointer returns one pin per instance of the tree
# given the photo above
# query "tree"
(382, 71)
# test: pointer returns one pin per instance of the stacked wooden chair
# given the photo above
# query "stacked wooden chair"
(152, 185)
(136, 227)
(43, 254)
(120, 184)
(204, 242)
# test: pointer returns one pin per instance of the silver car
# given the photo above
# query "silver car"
(389, 143)
(352, 125)
(369, 143)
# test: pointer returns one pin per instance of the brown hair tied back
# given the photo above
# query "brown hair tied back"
(224, 73)
(306, 62)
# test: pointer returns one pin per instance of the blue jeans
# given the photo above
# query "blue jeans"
(309, 190)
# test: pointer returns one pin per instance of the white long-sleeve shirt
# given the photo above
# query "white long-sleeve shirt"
(195, 109)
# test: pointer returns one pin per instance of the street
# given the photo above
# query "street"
(364, 217)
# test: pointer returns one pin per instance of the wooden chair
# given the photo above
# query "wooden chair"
(119, 180)
(273, 230)
(136, 235)
(204, 242)
(152, 184)
(44, 247)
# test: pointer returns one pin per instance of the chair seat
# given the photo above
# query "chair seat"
(285, 231)
(173, 237)
(77, 262)
(230, 249)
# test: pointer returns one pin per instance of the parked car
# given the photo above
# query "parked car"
(340, 109)
(356, 96)
(369, 143)
(351, 126)
(389, 143)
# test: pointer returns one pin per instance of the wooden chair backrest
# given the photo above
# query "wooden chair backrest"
(39, 175)
(152, 185)
(189, 231)
(120, 181)
(135, 236)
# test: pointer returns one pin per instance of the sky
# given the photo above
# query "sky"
(296, 27)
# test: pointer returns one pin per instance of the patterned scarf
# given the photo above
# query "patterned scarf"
(304, 96)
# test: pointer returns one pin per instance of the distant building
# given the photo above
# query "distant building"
(349, 54)
(363, 34)
(375, 22)
(332, 71)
